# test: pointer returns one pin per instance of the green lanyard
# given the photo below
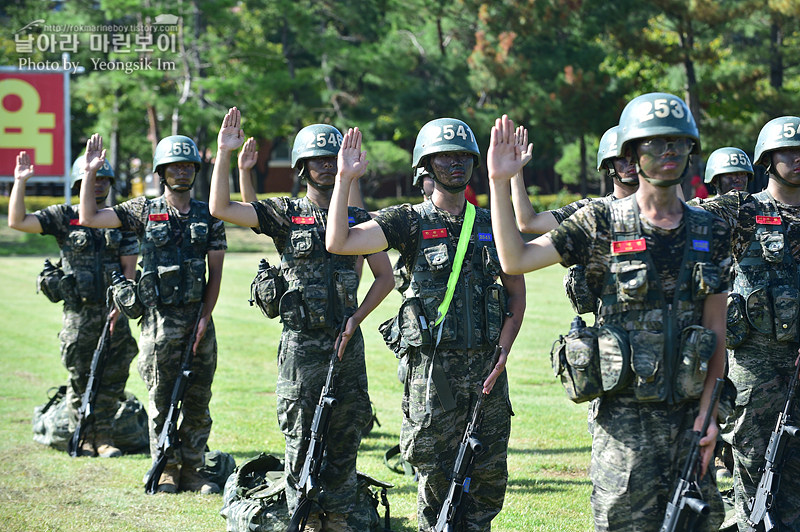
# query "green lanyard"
(461, 250)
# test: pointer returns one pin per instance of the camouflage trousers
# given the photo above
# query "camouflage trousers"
(429, 439)
(760, 369)
(81, 331)
(164, 340)
(303, 361)
(638, 451)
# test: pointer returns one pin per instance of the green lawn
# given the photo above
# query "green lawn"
(43, 489)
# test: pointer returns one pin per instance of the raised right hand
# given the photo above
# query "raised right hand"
(230, 135)
(24, 169)
(248, 156)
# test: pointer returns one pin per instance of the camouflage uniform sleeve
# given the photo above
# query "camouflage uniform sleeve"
(400, 225)
(721, 252)
(568, 210)
(273, 219)
(54, 220)
(575, 238)
(358, 215)
(129, 244)
(216, 235)
(726, 206)
(132, 215)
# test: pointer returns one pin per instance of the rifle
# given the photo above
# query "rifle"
(86, 411)
(687, 509)
(168, 439)
(470, 447)
(308, 485)
(762, 502)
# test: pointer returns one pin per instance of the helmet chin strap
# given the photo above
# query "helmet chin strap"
(451, 189)
(182, 188)
(779, 179)
(321, 188)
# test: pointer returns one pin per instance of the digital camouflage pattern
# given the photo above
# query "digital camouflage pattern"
(83, 322)
(638, 450)
(297, 227)
(634, 444)
(429, 441)
(166, 330)
(761, 366)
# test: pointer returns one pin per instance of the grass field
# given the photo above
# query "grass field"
(43, 489)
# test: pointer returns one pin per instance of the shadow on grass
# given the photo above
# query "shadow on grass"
(550, 452)
(546, 485)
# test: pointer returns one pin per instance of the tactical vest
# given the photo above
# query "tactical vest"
(174, 254)
(669, 350)
(88, 256)
(477, 311)
(321, 287)
(767, 276)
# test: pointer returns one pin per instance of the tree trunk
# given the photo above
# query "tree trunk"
(583, 178)
(776, 56)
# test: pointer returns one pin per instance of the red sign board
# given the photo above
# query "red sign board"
(32, 119)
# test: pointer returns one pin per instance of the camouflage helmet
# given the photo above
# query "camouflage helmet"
(174, 149)
(726, 161)
(419, 173)
(781, 132)
(656, 114)
(79, 166)
(316, 140)
(608, 148)
(444, 135)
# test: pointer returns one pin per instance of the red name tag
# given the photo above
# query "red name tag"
(303, 220)
(75, 222)
(434, 233)
(768, 220)
(628, 246)
(162, 217)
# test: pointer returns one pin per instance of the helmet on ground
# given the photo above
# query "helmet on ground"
(608, 148)
(726, 161)
(781, 132)
(656, 114)
(78, 170)
(444, 135)
(174, 149)
(316, 140)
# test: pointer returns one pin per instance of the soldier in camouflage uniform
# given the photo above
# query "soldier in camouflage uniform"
(88, 258)
(728, 169)
(449, 362)
(619, 169)
(763, 314)
(661, 269)
(321, 292)
(178, 237)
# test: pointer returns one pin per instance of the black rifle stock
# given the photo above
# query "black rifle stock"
(761, 504)
(687, 509)
(308, 484)
(168, 439)
(468, 449)
(86, 410)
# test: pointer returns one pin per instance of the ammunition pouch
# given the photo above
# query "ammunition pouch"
(647, 355)
(194, 278)
(126, 300)
(737, 327)
(158, 233)
(576, 362)
(390, 330)
(414, 326)
(48, 280)
(592, 361)
(315, 297)
(147, 289)
(696, 349)
(266, 290)
(582, 299)
(774, 311)
(68, 289)
(631, 280)
(169, 284)
(772, 246)
(198, 232)
(346, 284)
(292, 310)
